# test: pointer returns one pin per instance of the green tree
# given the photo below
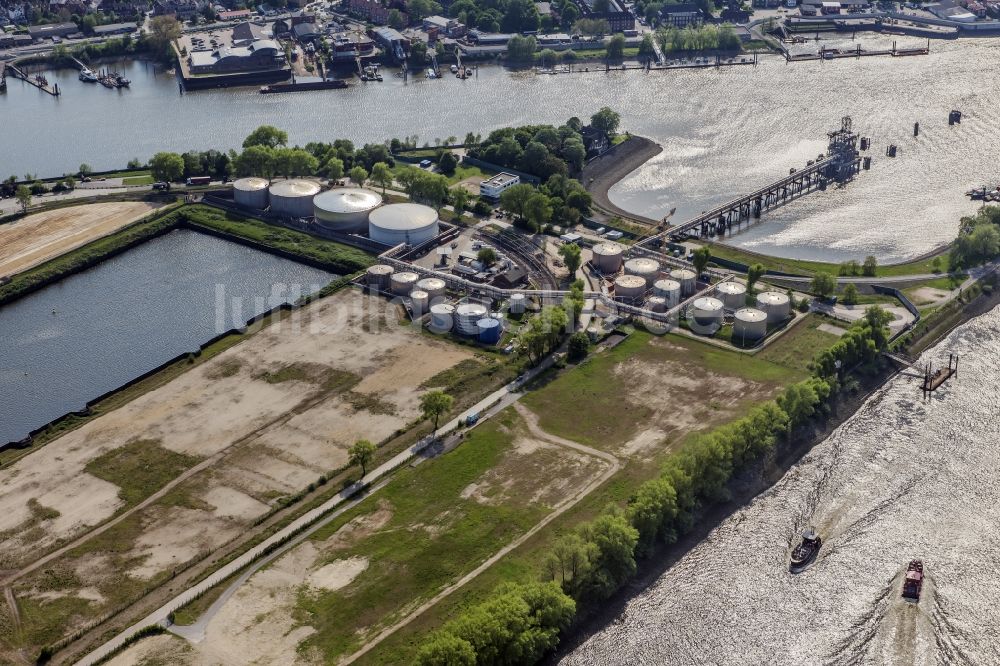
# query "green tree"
(459, 199)
(538, 210)
(701, 258)
(162, 31)
(514, 199)
(359, 175)
(418, 52)
(646, 48)
(168, 167)
(361, 454)
(606, 121)
(850, 294)
(266, 135)
(256, 161)
(487, 256)
(445, 649)
(396, 19)
(616, 50)
(754, 273)
(823, 284)
(592, 27)
(381, 174)
(435, 404)
(570, 253)
(447, 163)
(548, 57)
(23, 196)
(521, 49)
(85, 170)
(579, 344)
(334, 168)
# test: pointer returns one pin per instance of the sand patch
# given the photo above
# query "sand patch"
(359, 527)
(928, 295)
(231, 503)
(337, 574)
(644, 442)
(164, 649)
(37, 238)
(88, 594)
(176, 536)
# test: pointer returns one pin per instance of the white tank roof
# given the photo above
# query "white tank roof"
(732, 288)
(707, 304)
(419, 295)
(750, 315)
(403, 216)
(251, 184)
(642, 265)
(471, 310)
(629, 281)
(682, 274)
(347, 200)
(294, 188)
(666, 285)
(431, 283)
(380, 269)
(610, 249)
(772, 298)
(442, 308)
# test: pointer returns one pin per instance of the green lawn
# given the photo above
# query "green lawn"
(125, 174)
(802, 267)
(139, 468)
(138, 180)
(796, 348)
(434, 535)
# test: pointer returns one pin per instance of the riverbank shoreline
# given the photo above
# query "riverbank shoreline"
(747, 486)
(606, 171)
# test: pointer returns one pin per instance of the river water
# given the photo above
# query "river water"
(724, 132)
(96, 330)
(903, 478)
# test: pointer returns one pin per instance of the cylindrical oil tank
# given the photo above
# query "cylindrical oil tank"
(607, 257)
(467, 316)
(668, 289)
(403, 283)
(749, 324)
(707, 310)
(442, 317)
(686, 278)
(630, 287)
(489, 330)
(378, 276)
(433, 286)
(656, 304)
(419, 301)
(645, 268)
(345, 209)
(518, 303)
(251, 192)
(293, 198)
(732, 294)
(775, 304)
(408, 223)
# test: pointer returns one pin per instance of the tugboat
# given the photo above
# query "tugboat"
(804, 554)
(914, 581)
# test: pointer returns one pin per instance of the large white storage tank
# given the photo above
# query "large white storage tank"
(645, 268)
(378, 276)
(467, 316)
(403, 283)
(518, 303)
(776, 305)
(408, 223)
(293, 198)
(607, 257)
(434, 287)
(732, 294)
(442, 317)
(707, 310)
(687, 279)
(345, 209)
(668, 289)
(749, 324)
(251, 192)
(630, 287)
(419, 301)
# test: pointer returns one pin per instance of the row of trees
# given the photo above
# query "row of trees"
(978, 239)
(594, 561)
(707, 37)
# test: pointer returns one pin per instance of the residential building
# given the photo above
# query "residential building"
(371, 10)
(496, 185)
(183, 10)
(115, 29)
(619, 18)
(682, 15)
(235, 15)
(79, 7)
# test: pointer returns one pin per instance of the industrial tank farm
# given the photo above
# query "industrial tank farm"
(345, 209)
(293, 198)
(408, 223)
(776, 304)
(251, 193)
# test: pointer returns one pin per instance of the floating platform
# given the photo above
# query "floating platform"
(332, 84)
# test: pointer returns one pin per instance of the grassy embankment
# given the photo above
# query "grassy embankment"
(803, 267)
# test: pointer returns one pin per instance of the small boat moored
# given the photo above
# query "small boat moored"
(805, 553)
(913, 582)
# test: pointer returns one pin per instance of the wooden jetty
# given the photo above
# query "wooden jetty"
(934, 379)
(38, 80)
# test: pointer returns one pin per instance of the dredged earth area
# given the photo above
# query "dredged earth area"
(903, 478)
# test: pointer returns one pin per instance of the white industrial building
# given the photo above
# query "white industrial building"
(495, 186)
(345, 209)
(408, 223)
(293, 198)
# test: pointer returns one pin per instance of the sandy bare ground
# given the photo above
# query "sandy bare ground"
(37, 238)
(257, 440)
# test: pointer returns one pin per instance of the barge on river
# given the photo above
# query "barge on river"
(303, 87)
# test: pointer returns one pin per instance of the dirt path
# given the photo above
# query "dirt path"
(37, 238)
(603, 173)
(532, 421)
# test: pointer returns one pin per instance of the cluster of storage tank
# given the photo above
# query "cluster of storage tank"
(427, 295)
(348, 210)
